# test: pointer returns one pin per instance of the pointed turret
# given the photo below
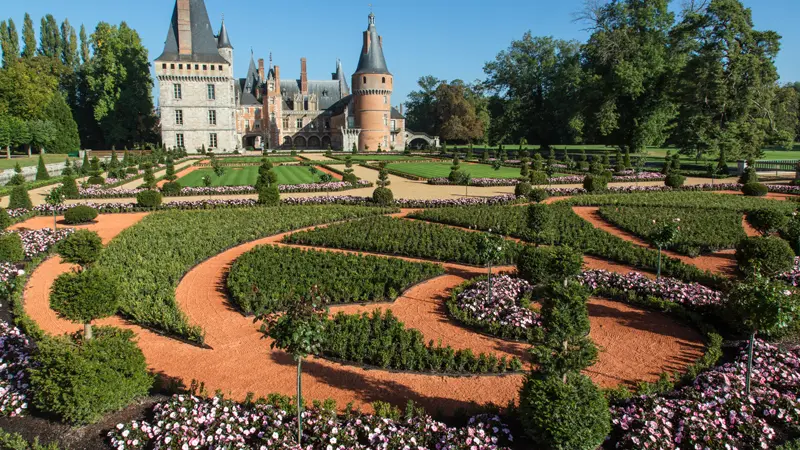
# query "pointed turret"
(372, 60)
(222, 40)
(339, 76)
(190, 37)
(252, 80)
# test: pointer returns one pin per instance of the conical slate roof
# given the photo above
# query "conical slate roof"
(372, 60)
(204, 44)
(223, 41)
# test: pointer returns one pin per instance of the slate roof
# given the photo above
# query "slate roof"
(223, 41)
(327, 91)
(396, 114)
(204, 44)
(372, 60)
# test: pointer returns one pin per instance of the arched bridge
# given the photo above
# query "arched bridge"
(416, 139)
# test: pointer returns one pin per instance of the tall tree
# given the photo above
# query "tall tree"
(421, 113)
(632, 65)
(84, 46)
(28, 38)
(458, 112)
(27, 87)
(785, 117)
(537, 80)
(49, 37)
(120, 87)
(69, 45)
(727, 86)
(10, 42)
(58, 112)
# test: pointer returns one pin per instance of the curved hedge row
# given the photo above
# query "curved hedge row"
(402, 237)
(269, 279)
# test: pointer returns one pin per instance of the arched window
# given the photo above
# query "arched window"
(300, 142)
(313, 142)
(365, 79)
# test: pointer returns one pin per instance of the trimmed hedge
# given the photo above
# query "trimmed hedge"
(402, 237)
(770, 256)
(270, 279)
(80, 214)
(149, 199)
(542, 265)
(11, 248)
(755, 190)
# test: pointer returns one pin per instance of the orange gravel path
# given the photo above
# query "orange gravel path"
(637, 344)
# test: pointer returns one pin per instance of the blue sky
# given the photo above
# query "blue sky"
(445, 38)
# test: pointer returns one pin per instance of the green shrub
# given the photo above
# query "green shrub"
(538, 177)
(19, 198)
(15, 441)
(132, 171)
(674, 180)
(11, 248)
(790, 445)
(258, 280)
(791, 232)
(769, 256)
(171, 188)
(5, 219)
(748, 176)
(149, 199)
(269, 195)
(350, 178)
(595, 183)
(82, 247)
(96, 180)
(540, 265)
(18, 179)
(382, 196)
(767, 221)
(80, 381)
(538, 195)
(80, 214)
(41, 169)
(84, 296)
(564, 416)
(522, 189)
(69, 187)
(755, 190)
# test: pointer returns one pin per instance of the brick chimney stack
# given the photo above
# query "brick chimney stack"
(303, 76)
(261, 68)
(184, 27)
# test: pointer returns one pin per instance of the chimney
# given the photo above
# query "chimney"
(365, 47)
(401, 109)
(277, 78)
(261, 68)
(184, 28)
(303, 76)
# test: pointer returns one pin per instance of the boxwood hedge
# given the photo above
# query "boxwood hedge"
(154, 254)
(270, 279)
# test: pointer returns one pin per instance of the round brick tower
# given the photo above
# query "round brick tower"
(372, 93)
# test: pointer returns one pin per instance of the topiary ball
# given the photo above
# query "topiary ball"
(148, 199)
(558, 415)
(539, 265)
(382, 196)
(769, 256)
(350, 178)
(522, 189)
(82, 247)
(80, 214)
(11, 249)
(171, 188)
(269, 196)
(538, 195)
(538, 177)
(96, 180)
(674, 180)
(767, 221)
(755, 189)
(595, 183)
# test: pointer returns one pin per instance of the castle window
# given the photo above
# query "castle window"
(176, 91)
(164, 65)
(212, 67)
(365, 79)
(327, 124)
(272, 117)
(285, 123)
(385, 99)
(178, 117)
(212, 140)
(299, 123)
(212, 92)
(272, 100)
(180, 66)
(196, 66)
(172, 66)
(385, 120)
(383, 80)
(212, 117)
(179, 140)
(205, 67)
(305, 104)
(394, 126)
(258, 125)
(219, 67)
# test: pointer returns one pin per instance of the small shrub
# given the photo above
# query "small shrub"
(383, 196)
(522, 189)
(538, 177)
(96, 180)
(5, 219)
(748, 176)
(171, 188)
(149, 199)
(674, 180)
(769, 256)
(595, 183)
(767, 221)
(132, 171)
(755, 189)
(538, 195)
(11, 248)
(539, 265)
(19, 198)
(69, 188)
(81, 380)
(350, 178)
(81, 247)
(80, 214)
(269, 196)
(557, 415)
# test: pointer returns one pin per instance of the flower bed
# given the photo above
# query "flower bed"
(15, 359)
(507, 315)
(568, 179)
(792, 276)
(690, 295)
(35, 242)
(189, 422)
(714, 412)
(226, 190)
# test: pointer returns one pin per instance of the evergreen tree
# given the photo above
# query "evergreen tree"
(41, 169)
(19, 198)
(58, 112)
(28, 38)
(627, 159)
(85, 164)
(722, 163)
(49, 37)
(169, 175)
(10, 42)
(18, 178)
(67, 172)
(69, 45)
(84, 50)
(667, 163)
(383, 178)
(149, 180)
(619, 164)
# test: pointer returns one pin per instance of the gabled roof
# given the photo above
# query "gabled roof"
(204, 44)
(396, 114)
(223, 41)
(327, 91)
(372, 60)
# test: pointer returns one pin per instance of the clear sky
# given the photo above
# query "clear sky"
(445, 38)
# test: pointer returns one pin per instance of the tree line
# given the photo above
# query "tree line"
(703, 80)
(71, 90)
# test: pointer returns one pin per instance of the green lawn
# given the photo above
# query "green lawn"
(381, 157)
(255, 159)
(32, 161)
(246, 176)
(434, 170)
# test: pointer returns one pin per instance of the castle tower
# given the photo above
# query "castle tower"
(224, 44)
(372, 93)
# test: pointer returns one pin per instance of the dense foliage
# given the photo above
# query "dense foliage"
(270, 279)
(402, 237)
(768, 256)
(80, 214)
(155, 253)
(11, 249)
(84, 296)
(82, 247)
(81, 380)
(148, 199)
(682, 199)
(701, 231)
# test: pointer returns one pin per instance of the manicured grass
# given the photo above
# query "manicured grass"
(434, 170)
(255, 159)
(377, 157)
(32, 161)
(246, 176)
